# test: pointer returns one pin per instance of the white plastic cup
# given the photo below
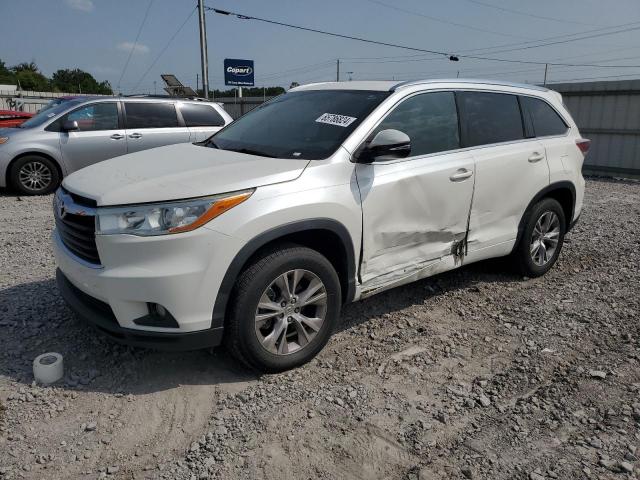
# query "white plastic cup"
(48, 368)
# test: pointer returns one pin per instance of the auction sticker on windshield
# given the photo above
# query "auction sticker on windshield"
(335, 119)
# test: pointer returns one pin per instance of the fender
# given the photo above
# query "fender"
(253, 245)
(543, 193)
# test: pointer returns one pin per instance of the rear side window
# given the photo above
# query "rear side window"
(490, 118)
(430, 120)
(150, 115)
(201, 115)
(545, 119)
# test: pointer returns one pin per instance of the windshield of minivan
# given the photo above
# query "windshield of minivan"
(48, 114)
(309, 125)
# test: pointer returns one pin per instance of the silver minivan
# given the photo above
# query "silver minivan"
(58, 141)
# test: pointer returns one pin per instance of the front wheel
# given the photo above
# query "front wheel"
(542, 238)
(285, 306)
(34, 175)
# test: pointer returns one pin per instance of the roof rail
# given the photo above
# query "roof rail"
(411, 83)
(144, 95)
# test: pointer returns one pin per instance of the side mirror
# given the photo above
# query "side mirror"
(70, 125)
(387, 144)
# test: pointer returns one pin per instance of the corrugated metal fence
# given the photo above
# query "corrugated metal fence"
(608, 113)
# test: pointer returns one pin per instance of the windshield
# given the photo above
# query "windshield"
(309, 125)
(49, 113)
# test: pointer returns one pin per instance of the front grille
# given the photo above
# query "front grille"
(76, 227)
(78, 233)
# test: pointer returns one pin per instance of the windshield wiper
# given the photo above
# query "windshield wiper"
(250, 151)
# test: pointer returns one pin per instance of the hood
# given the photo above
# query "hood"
(177, 172)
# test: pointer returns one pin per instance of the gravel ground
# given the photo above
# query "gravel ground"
(475, 374)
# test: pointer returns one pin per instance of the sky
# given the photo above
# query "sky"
(99, 35)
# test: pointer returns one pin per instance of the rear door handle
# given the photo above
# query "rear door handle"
(535, 157)
(135, 135)
(461, 174)
(117, 136)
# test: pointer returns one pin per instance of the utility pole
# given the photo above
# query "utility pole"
(546, 67)
(204, 57)
(197, 82)
(337, 70)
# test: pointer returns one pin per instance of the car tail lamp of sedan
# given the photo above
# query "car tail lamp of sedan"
(583, 144)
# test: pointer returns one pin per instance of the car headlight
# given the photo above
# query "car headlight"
(4, 140)
(166, 218)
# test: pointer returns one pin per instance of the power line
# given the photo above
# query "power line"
(441, 20)
(135, 44)
(165, 48)
(525, 14)
(442, 54)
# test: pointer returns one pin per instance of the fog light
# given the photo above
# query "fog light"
(158, 316)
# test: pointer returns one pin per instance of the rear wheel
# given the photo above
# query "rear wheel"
(34, 175)
(285, 307)
(542, 238)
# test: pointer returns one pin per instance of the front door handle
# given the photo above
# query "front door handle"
(535, 157)
(461, 174)
(135, 135)
(117, 136)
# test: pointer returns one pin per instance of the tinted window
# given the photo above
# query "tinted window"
(490, 118)
(430, 120)
(201, 116)
(150, 115)
(307, 124)
(98, 116)
(545, 119)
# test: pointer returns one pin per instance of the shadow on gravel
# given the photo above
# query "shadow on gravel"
(34, 320)
(419, 293)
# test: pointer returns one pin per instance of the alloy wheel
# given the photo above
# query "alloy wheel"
(35, 176)
(291, 312)
(544, 239)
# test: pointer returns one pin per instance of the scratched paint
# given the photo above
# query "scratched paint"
(413, 214)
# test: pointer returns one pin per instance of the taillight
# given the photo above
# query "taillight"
(583, 144)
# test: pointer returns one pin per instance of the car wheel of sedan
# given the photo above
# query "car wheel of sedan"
(542, 238)
(34, 175)
(285, 306)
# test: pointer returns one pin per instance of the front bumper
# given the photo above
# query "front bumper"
(99, 315)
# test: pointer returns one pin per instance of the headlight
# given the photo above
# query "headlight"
(165, 218)
(4, 140)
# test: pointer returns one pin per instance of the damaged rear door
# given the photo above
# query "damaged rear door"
(416, 210)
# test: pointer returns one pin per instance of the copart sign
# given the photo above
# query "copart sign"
(238, 72)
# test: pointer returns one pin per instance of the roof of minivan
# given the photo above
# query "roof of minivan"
(390, 86)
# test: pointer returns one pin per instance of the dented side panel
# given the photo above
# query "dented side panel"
(508, 176)
(413, 214)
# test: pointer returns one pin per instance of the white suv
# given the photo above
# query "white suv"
(327, 194)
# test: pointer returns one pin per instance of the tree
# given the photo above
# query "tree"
(28, 76)
(6, 76)
(79, 81)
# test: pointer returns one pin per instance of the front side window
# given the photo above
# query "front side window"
(201, 115)
(150, 115)
(308, 124)
(490, 118)
(429, 119)
(98, 116)
(545, 119)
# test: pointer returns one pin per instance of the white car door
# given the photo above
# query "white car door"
(510, 169)
(415, 210)
(202, 119)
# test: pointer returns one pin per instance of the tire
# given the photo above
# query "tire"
(34, 175)
(257, 343)
(538, 251)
